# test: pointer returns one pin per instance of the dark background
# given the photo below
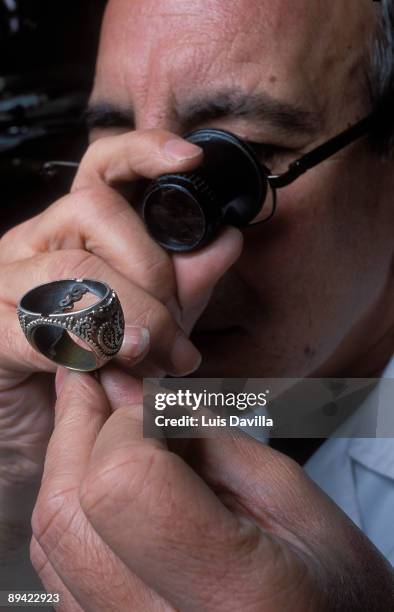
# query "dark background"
(47, 56)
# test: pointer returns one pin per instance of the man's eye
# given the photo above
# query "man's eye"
(266, 152)
(275, 158)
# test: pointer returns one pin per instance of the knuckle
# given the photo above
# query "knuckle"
(74, 263)
(100, 145)
(14, 238)
(82, 392)
(95, 198)
(92, 200)
(100, 484)
(97, 204)
(152, 137)
(9, 237)
(90, 167)
(140, 311)
(37, 556)
(155, 134)
(9, 341)
(141, 162)
(288, 469)
(142, 149)
(126, 480)
(59, 203)
(158, 272)
(155, 137)
(95, 150)
(14, 348)
(51, 517)
(159, 320)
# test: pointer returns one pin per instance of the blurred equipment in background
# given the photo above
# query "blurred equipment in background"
(47, 55)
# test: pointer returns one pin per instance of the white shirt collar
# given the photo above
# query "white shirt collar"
(340, 460)
(377, 454)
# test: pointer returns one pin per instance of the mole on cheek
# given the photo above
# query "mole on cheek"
(273, 78)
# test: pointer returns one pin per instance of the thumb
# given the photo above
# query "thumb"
(198, 273)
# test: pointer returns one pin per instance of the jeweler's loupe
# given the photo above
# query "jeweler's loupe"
(183, 212)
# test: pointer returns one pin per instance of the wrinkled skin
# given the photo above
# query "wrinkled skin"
(313, 289)
(310, 293)
(122, 523)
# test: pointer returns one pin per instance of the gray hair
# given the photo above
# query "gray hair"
(381, 79)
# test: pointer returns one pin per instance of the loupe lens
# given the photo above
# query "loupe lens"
(175, 219)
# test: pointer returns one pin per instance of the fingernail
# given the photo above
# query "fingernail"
(185, 357)
(135, 343)
(179, 149)
(60, 379)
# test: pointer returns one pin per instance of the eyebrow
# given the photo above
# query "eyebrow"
(260, 107)
(286, 117)
(106, 115)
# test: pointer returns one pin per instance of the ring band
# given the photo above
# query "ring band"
(46, 314)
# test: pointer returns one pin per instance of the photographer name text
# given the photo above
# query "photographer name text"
(186, 421)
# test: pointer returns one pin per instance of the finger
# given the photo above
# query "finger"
(16, 354)
(279, 499)
(113, 589)
(100, 221)
(212, 461)
(170, 348)
(81, 410)
(126, 157)
(50, 579)
(18, 357)
(82, 221)
(121, 389)
(165, 511)
(198, 273)
(129, 250)
(68, 454)
(26, 424)
(74, 550)
(113, 381)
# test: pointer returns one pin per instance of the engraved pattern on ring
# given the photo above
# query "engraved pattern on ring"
(102, 328)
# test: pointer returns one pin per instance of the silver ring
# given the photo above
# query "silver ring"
(47, 317)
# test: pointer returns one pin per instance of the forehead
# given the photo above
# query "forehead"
(167, 50)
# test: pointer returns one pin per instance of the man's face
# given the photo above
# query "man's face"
(309, 288)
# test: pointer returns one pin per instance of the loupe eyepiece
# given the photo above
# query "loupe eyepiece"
(182, 212)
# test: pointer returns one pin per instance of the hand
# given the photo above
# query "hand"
(122, 523)
(94, 232)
